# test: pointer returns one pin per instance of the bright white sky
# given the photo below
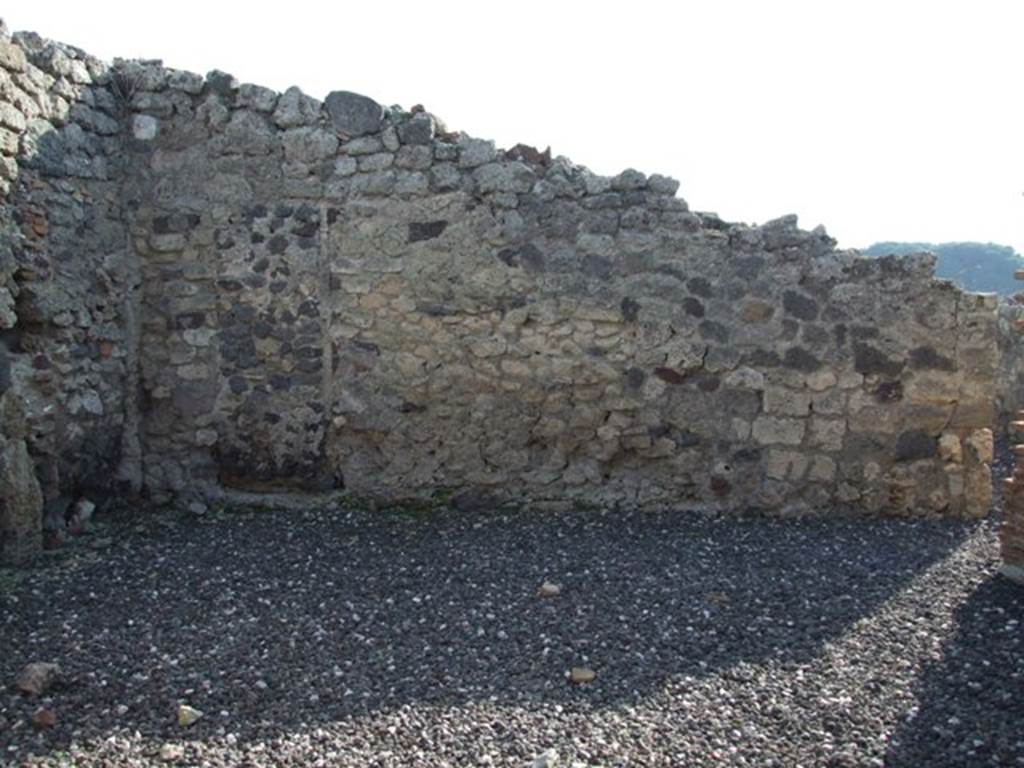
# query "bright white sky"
(891, 120)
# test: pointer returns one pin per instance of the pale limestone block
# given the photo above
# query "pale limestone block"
(821, 380)
(823, 469)
(979, 445)
(741, 429)
(950, 449)
(978, 491)
(786, 465)
(831, 402)
(194, 372)
(827, 433)
(768, 430)
(955, 481)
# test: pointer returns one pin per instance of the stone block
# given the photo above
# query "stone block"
(11, 118)
(770, 430)
(144, 127)
(352, 114)
(974, 414)
(978, 491)
(950, 449)
(979, 445)
(826, 433)
(786, 465)
(822, 469)
(475, 152)
(12, 57)
(786, 402)
(21, 499)
(308, 145)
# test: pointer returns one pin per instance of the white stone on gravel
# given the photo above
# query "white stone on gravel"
(549, 589)
(170, 753)
(546, 759)
(188, 715)
(582, 675)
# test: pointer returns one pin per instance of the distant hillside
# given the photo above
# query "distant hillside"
(985, 267)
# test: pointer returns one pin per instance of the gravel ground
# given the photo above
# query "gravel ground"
(388, 639)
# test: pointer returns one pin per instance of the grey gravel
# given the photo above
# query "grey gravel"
(391, 639)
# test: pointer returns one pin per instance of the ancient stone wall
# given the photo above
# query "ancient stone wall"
(1011, 401)
(341, 295)
(66, 280)
(1010, 381)
(245, 289)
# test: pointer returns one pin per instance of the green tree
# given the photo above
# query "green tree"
(983, 267)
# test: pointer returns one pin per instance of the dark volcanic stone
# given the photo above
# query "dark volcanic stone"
(747, 455)
(889, 391)
(635, 378)
(799, 306)
(713, 331)
(189, 320)
(670, 375)
(530, 155)
(305, 229)
(5, 368)
(748, 267)
(278, 244)
(596, 266)
(864, 332)
(526, 256)
(708, 382)
(630, 309)
(418, 130)
(353, 114)
(762, 358)
(221, 83)
(700, 286)
(693, 307)
(927, 358)
(425, 230)
(178, 223)
(815, 335)
(223, 239)
(800, 359)
(686, 439)
(916, 444)
(869, 360)
(720, 486)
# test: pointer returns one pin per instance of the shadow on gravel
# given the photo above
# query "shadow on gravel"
(273, 623)
(971, 699)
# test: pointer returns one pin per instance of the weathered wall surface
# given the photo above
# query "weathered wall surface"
(1010, 382)
(1011, 401)
(66, 277)
(342, 295)
(237, 288)
(1011, 532)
